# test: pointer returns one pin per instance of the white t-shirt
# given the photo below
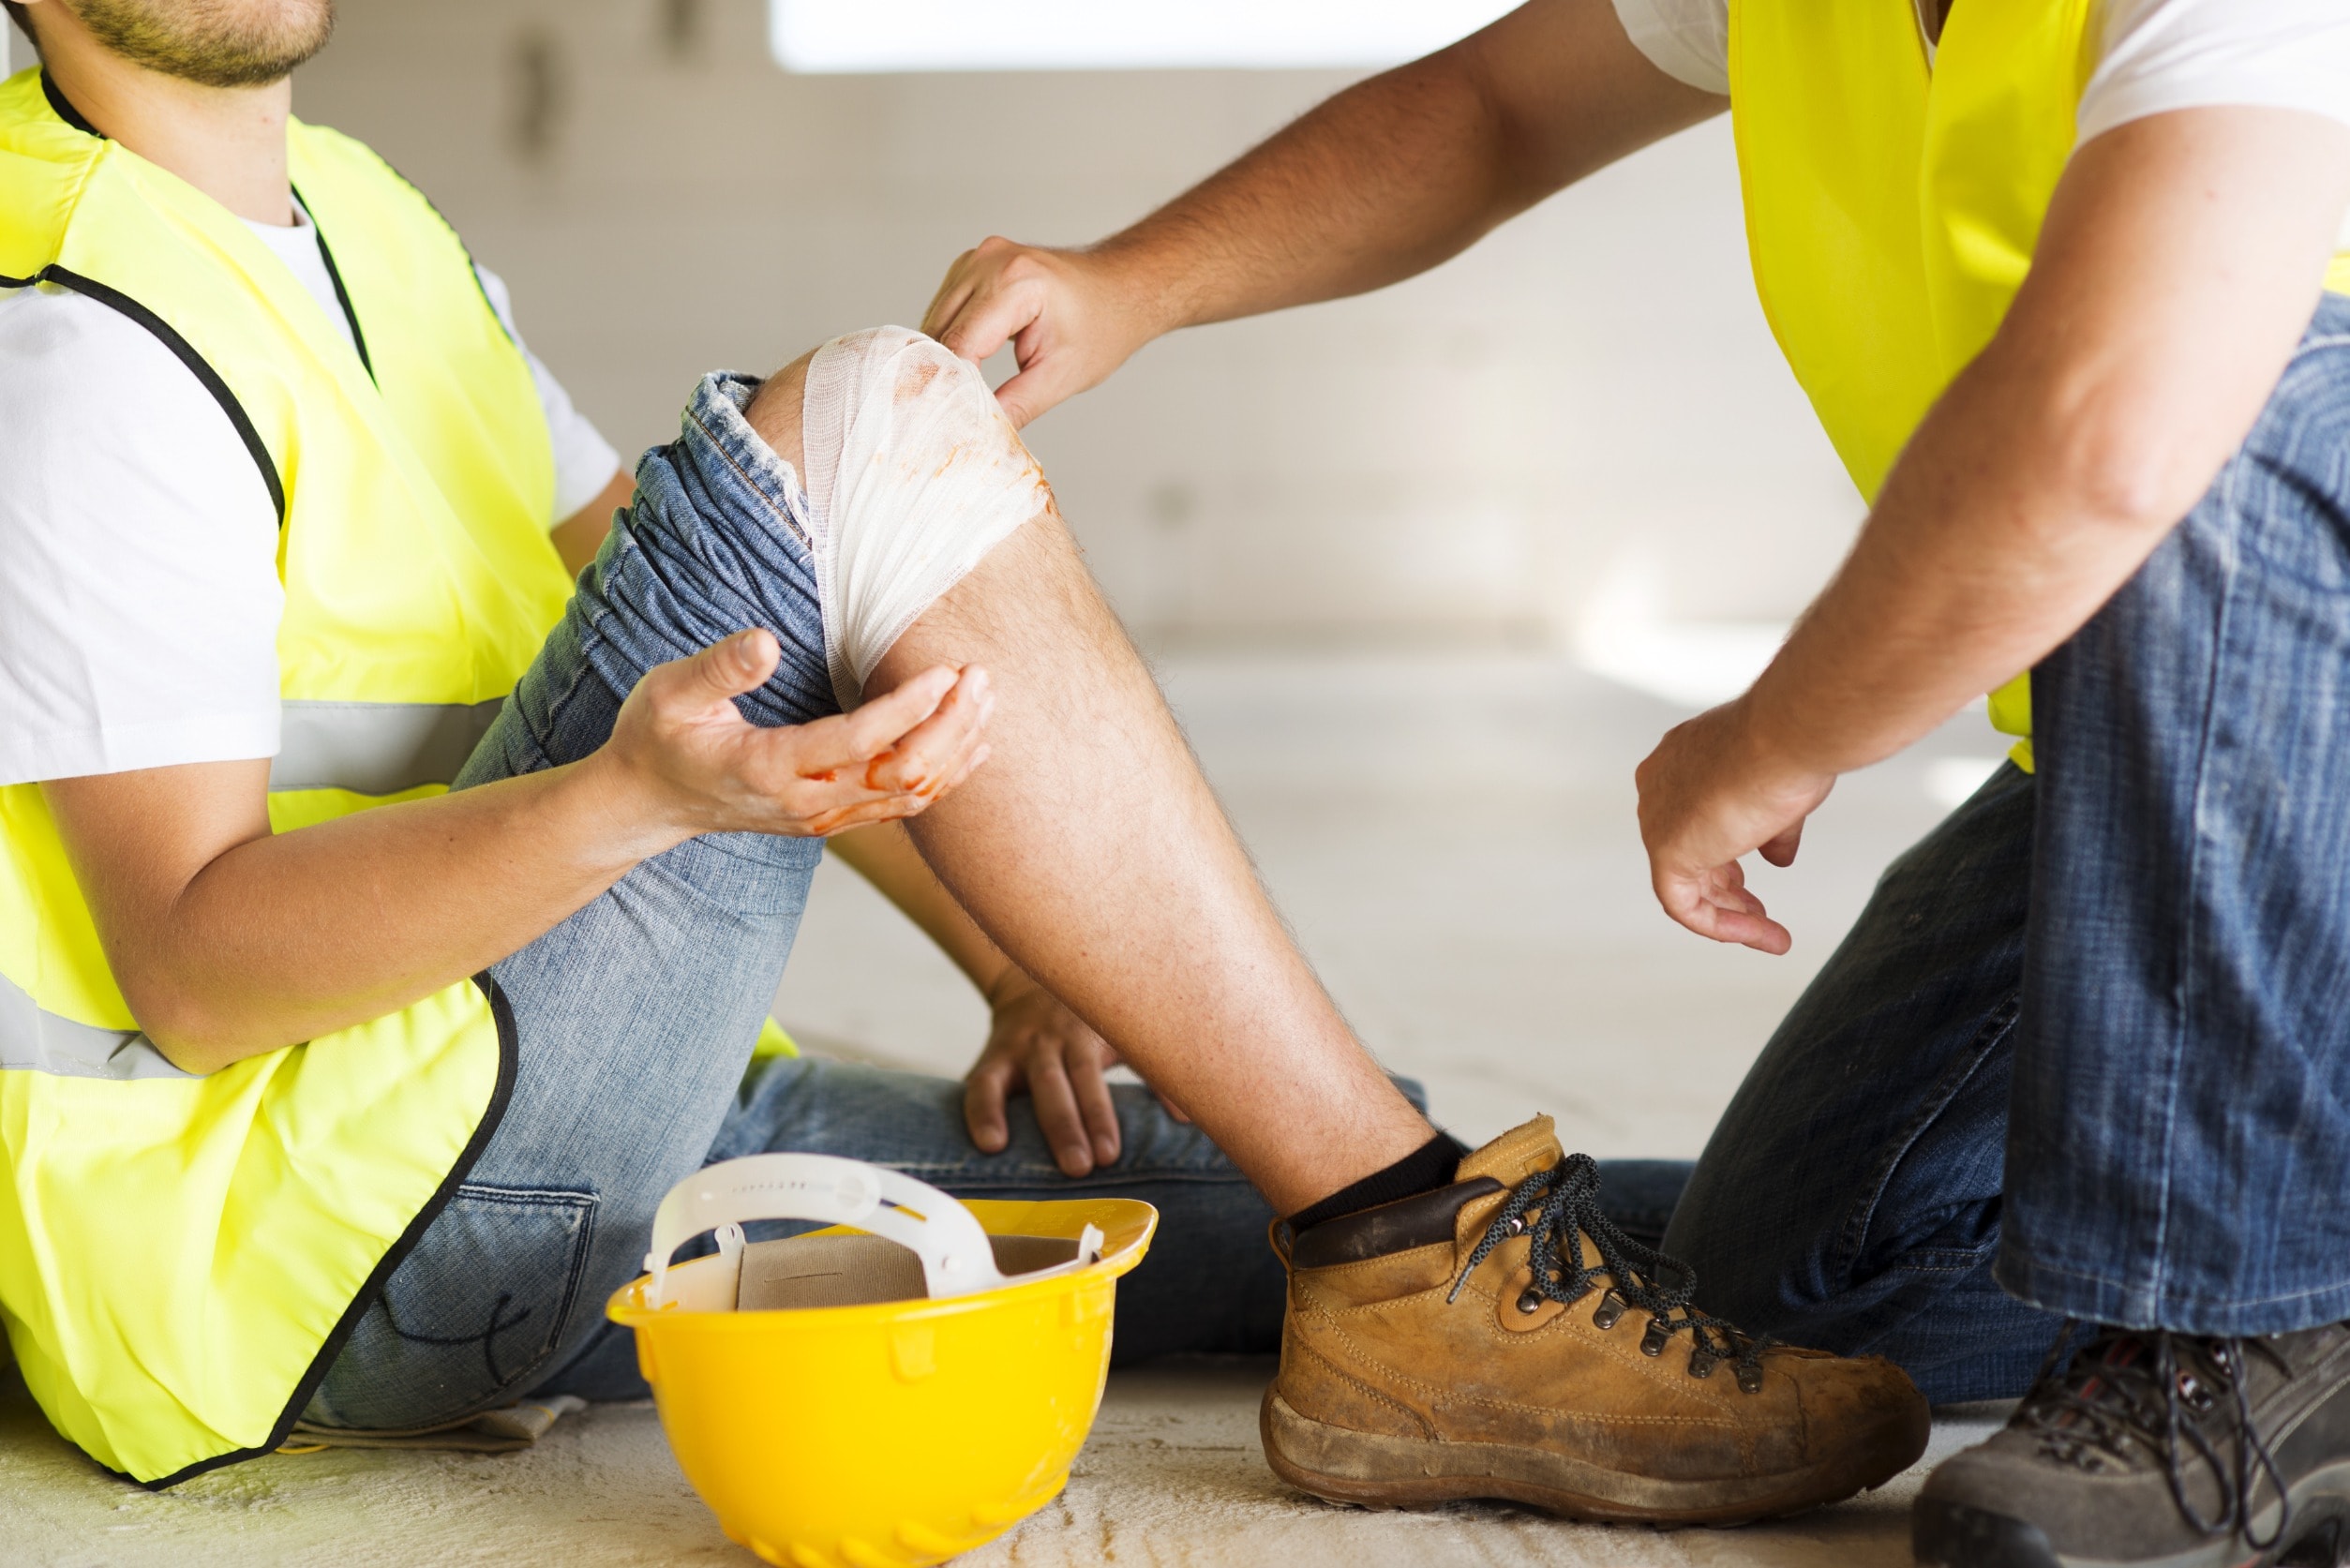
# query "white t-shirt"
(139, 592)
(2153, 56)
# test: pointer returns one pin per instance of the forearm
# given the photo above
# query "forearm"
(2058, 460)
(884, 854)
(289, 935)
(1986, 550)
(229, 940)
(1407, 168)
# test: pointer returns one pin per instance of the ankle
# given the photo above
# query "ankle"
(1430, 1166)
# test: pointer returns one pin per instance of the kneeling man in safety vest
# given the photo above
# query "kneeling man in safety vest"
(2065, 280)
(386, 919)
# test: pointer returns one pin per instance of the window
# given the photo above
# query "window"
(873, 35)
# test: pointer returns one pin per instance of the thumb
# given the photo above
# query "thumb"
(728, 669)
(1025, 396)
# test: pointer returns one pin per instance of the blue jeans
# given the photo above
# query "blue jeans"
(636, 1016)
(2086, 1052)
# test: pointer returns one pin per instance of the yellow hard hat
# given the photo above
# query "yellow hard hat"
(891, 1397)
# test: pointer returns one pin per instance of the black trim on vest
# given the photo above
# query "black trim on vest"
(63, 108)
(115, 299)
(342, 296)
(509, 1056)
(476, 267)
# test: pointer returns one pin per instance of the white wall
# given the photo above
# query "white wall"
(1584, 412)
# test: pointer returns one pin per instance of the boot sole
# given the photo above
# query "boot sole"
(1372, 1470)
(1945, 1535)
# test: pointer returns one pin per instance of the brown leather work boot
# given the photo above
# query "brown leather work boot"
(1501, 1339)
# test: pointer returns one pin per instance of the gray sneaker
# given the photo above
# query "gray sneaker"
(2156, 1450)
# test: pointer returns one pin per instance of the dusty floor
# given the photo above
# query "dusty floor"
(1173, 1477)
(1452, 838)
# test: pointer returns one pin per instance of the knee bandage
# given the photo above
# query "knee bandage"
(914, 474)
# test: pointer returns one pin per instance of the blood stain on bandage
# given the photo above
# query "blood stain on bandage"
(914, 377)
(915, 475)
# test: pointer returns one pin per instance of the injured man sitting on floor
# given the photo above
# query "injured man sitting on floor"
(346, 1049)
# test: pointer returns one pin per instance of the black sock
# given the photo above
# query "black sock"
(1424, 1170)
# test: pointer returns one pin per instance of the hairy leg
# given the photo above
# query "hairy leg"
(1091, 849)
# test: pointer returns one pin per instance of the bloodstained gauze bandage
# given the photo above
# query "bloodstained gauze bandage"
(914, 474)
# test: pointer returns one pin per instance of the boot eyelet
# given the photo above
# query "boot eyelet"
(1701, 1363)
(1517, 1225)
(1652, 1342)
(1749, 1379)
(1529, 1302)
(1609, 1311)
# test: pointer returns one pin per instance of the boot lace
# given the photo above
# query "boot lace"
(2159, 1393)
(1553, 1206)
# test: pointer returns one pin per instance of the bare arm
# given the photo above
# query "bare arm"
(579, 536)
(1383, 181)
(2180, 262)
(228, 941)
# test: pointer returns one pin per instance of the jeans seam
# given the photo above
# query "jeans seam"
(2123, 1288)
(1853, 1239)
(784, 513)
(2182, 954)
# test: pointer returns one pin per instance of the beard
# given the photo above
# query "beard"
(217, 43)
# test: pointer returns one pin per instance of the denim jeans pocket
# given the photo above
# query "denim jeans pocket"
(478, 1307)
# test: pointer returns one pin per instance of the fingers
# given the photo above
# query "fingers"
(1099, 1111)
(984, 1092)
(985, 301)
(954, 290)
(928, 758)
(881, 723)
(724, 670)
(1058, 1114)
(1027, 396)
(1716, 905)
(918, 739)
(1780, 851)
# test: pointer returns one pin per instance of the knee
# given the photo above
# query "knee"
(774, 413)
(913, 475)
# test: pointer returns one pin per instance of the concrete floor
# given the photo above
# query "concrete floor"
(1452, 837)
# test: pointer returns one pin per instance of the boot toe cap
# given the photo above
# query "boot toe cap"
(1865, 1415)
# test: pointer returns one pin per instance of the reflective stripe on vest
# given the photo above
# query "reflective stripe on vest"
(32, 1040)
(181, 1256)
(1893, 200)
(376, 748)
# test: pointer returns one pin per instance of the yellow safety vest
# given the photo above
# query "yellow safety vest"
(181, 1257)
(1892, 203)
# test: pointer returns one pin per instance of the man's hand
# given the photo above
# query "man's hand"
(229, 940)
(1386, 179)
(687, 749)
(1709, 794)
(1071, 318)
(1038, 1044)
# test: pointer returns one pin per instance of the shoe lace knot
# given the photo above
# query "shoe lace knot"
(1558, 1207)
(2181, 1399)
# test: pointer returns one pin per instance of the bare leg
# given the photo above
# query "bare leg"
(1092, 851)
